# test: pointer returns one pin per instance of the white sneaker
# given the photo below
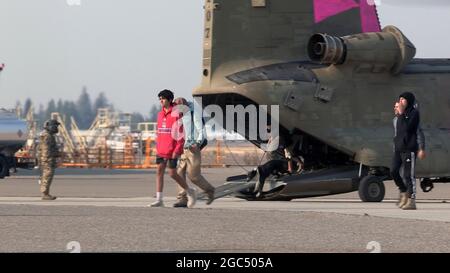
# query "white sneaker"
(192, 197)
(157, 203)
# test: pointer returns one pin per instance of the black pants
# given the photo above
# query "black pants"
(270, 167)
(407, 163)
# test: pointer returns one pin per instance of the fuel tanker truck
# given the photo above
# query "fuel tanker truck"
(13, 135)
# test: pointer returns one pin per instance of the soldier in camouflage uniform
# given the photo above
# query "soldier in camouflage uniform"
(48, 152)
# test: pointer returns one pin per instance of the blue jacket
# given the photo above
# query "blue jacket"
(194, 132)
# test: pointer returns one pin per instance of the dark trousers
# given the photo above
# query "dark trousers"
(407, 163)
(270, 167)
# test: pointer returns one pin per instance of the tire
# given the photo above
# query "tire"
(4, 168)
(371, 189)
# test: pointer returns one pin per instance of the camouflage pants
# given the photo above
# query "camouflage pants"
(190, 163)
(47, 172)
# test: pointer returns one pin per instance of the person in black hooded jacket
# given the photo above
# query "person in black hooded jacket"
(405, 150)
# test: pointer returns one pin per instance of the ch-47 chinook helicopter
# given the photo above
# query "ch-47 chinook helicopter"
(335, 75)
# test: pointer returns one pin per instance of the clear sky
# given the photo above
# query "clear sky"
(130, 49)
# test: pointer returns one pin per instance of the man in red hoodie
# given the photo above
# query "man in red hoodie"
(169, 147)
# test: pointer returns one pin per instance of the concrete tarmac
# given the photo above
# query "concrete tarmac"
(105, 211)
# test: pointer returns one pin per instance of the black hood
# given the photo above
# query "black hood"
(410, 98)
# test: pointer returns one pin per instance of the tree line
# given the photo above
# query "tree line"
(83, 110)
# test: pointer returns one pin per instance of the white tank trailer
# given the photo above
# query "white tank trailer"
(13, 135)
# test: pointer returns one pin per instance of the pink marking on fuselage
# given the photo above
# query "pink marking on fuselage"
(324, 9)
(327, 8)
(369, 18)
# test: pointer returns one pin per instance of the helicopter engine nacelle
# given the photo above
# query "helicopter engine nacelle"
(388, 50)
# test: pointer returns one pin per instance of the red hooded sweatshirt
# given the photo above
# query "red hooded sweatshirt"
(166, 144)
